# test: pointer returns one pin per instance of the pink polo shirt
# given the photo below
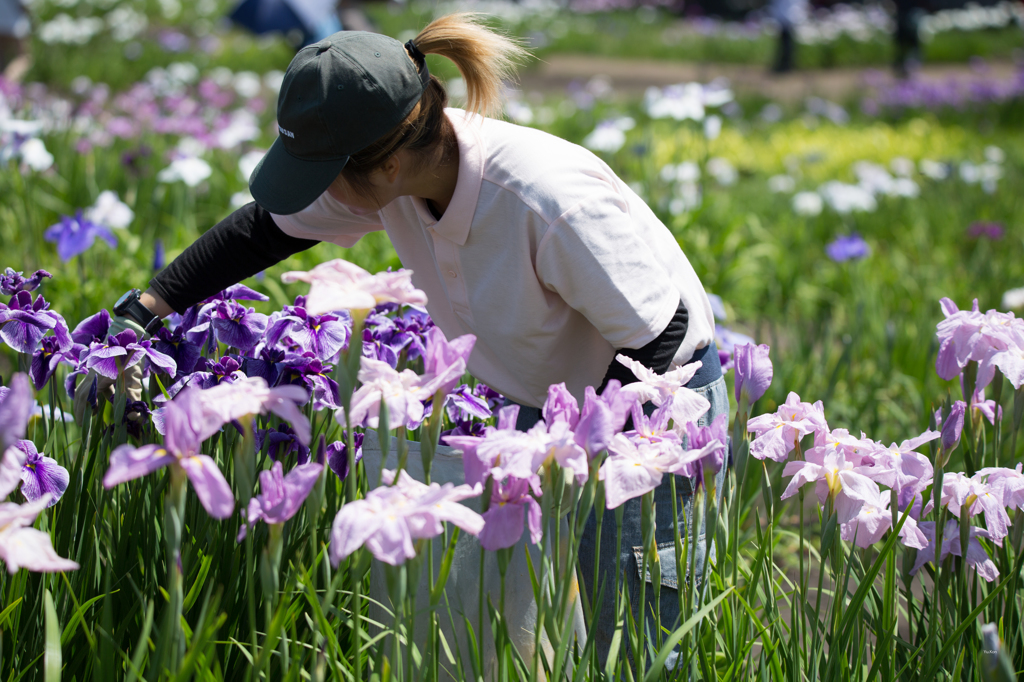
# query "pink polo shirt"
(544, 254)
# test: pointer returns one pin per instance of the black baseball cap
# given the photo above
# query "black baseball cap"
(338, 96)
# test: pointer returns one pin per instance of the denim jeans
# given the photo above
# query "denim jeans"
(629, 561)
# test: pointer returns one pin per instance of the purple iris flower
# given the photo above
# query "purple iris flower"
(561, 406)
(75, 235)
(462, 405)
(281, 442)
(24, 322)
(466, 428)
(267, 366)
(280, 496)
(12, 282)
(175, 345)
(207, 374)
(124, 350)
(41, 475)
(236, 292)
(92, 328)
(337, 454)
(323, 335)
(237, 326)
(186, 427)
(308, 370)
(848, 247)
(48, 357)
(376, 342)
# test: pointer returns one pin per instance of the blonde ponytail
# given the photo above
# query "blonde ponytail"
(485, 58)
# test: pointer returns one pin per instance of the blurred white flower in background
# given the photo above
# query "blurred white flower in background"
(240, 199)
(712, 127)
(110, 211)
(808, 204)
(934, 169)
(1013, 299)
(722, 171)
(247, 84)
(190, 170)
(781, 184)
(33, 153)
(845, 198)
(610, 135)
(247, 164)
(902, 166)
(242, 127)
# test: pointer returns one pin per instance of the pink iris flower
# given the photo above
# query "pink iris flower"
(976, 555)
(280, 496)
(1009, 483)
(970, 335)
(687, 405)
(776, 435)
(403, 393)
(226, 402)
(391, 517)
(503, 521)
(340, 285)
(864, 514)
(15, 409)
(977, 496)
(905, 470)
(186, 426)
(632, 470)
(22, 546)
(444, 361)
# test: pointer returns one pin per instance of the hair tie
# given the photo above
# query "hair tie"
(415, 53)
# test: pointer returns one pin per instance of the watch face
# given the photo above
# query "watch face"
(125, 299)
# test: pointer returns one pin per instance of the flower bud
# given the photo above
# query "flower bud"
(952, 426)
(753, 371)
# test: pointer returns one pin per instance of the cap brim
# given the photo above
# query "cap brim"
(283, 184)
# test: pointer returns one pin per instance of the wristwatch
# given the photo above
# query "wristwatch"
(130, 306)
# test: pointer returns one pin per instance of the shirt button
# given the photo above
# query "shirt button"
(452, 274)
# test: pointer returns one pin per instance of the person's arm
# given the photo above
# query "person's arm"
(656, 355)
(243, 244)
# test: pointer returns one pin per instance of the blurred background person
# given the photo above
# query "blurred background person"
(301, 21)
(14, 32)
(907, 36)
(788, 14)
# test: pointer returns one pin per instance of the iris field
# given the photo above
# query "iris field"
(212, 521)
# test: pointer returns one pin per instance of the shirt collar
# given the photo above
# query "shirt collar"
(454, 225)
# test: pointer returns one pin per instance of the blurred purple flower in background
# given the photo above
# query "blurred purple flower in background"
(75, 235)
(848, 247)
(989, 230)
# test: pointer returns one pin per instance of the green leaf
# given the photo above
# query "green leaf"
(52, 658)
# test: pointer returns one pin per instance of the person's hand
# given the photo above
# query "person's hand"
(104, 386)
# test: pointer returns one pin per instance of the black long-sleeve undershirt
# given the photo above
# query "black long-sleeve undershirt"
(246, 242)
(249, 241)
